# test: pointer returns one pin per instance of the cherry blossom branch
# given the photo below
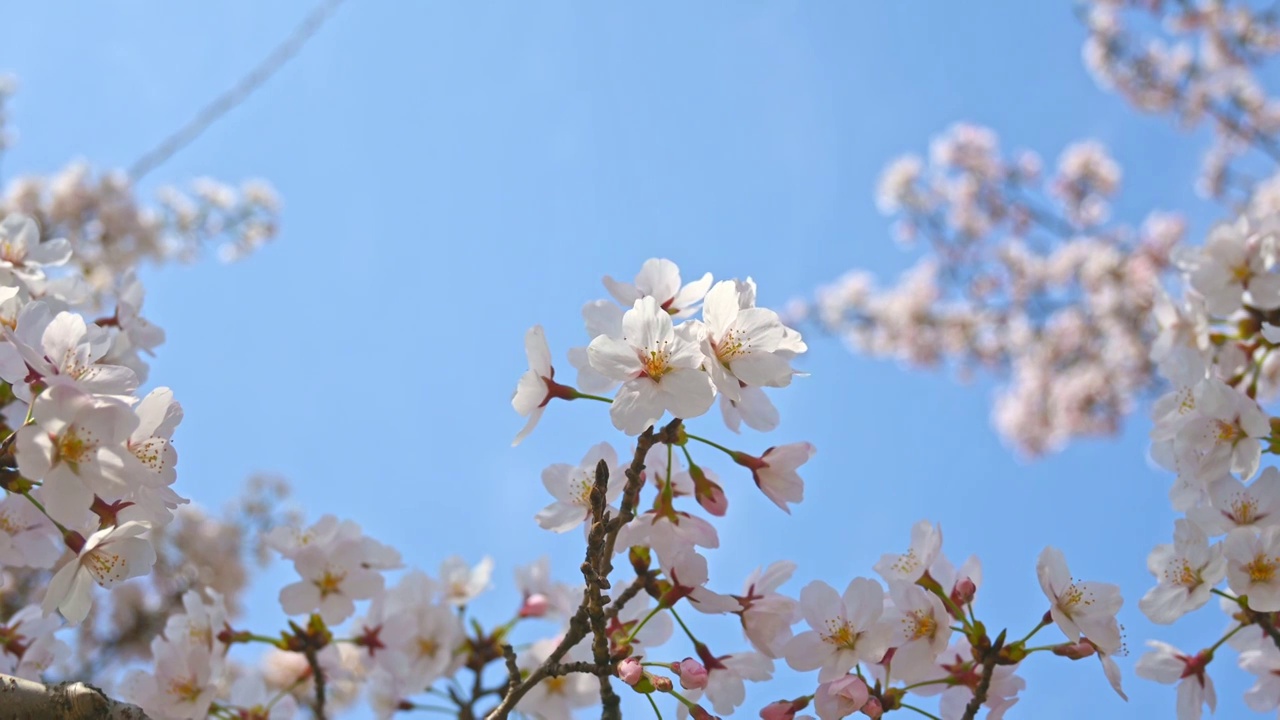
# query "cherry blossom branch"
(627, 595)
(597, 576)
(988, 658)
(595, 570)
(70, 701)
(1263, 620)
(517, 688)
(604, 671)
(317, 676)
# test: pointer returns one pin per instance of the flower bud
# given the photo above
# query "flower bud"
(708, 492)
(661, 683)
(713, 500)
(872, 708)
(536, 605)
(841, 697)
(964, 591)
(781, 710)
(1074, 651)
(692, 673)
(630, 671)
(697, 712)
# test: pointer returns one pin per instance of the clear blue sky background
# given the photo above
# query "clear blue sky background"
(454, 173)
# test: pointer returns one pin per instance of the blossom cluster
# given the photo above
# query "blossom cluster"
(1215, 350)
(1025, 276)
(111, 231)
(1201, 63)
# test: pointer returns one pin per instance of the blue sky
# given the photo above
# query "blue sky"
(454, 173)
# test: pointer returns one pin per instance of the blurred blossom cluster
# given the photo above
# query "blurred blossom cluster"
(1024, 274)
(1200, 62)
(112, 230)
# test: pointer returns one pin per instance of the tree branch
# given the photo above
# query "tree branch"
(988, 658)
(1263, 620)
(596, 567)
(317, 677)
(596, 571)
(27, 700)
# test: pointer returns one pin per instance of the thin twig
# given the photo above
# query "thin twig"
(1263, 621)
(317, 677)
(625, 596)
(988, 658)
(227, 101)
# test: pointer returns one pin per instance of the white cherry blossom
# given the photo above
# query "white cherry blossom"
(1224, 434)
(537, 385)
(571, 487)
(183, 685)
(844, 630)
(659, 365)
(1233, 505)
(77, 447)
(602, 318)
(775, 473)
(27, 538)
(766, 614)
(1186, 571)
(108, 557)
(926, 544)
(659, 279)
(23, 254)
(741, 342)
(1262, 661)
(1077, 607)
(333, 578)
(1166, 664)
(1253, 566)
(1230, 264)
(462, 583)
(921, 629)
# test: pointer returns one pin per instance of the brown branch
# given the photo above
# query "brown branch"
(517, 688)
(596, 567)
(26, 700)
(317, 677)
(988, 658)
(581, 667)
(596, 571)
(1263, 620)
(626, 596)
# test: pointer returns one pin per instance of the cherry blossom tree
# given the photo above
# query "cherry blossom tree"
(119, 599)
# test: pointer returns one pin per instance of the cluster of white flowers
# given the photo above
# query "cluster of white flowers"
(95, 459)
(1211, 431)
(871, 645)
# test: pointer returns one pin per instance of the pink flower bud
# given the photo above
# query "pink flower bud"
(536, 605)
(630, 671)
(872, 708)
(712, 499)
(781, 710)
(1074, 651)
(963, 592)
(841, 697)
(692, 674)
